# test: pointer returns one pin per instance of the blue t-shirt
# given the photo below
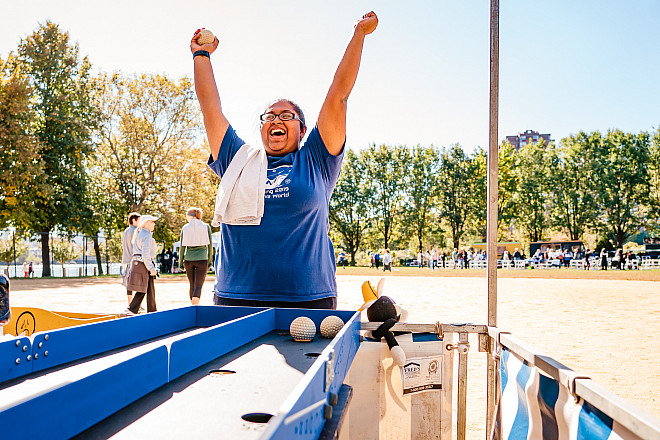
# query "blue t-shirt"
(289, 256)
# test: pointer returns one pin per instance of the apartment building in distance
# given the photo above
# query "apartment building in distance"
(527, 137)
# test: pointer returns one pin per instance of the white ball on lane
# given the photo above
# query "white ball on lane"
(330, 326)
(302, 329)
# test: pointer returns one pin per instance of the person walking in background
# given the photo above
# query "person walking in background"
(434, 256)
(587, 261)
(387, 261)
(196, 252)
(175, 261)
(603, 259)
(30, 270)
(26, 268)
(160, 258)
(617, 259)
(142, 273)
(622, 260)
(127, 249)
(167, 260)
(342, 259)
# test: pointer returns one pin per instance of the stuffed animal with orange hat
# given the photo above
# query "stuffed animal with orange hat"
(381, 308)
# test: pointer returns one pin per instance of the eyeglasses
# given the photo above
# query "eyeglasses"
(284, 116)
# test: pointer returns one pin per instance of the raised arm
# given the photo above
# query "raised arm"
(332, 118)
(215, 122)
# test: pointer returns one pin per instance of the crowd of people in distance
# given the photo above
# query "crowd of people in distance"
(466, 258)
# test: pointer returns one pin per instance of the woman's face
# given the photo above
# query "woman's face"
(281, 137)
(149, 225)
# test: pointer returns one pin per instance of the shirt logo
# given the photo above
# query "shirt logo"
(275, 176)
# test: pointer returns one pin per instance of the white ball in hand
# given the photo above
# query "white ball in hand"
(330, 326)
(302, 329)
(205, 37)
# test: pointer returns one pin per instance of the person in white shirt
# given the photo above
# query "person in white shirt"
(387, 261)
(142, 274)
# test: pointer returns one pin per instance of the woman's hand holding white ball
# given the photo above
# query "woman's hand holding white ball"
(204, 40)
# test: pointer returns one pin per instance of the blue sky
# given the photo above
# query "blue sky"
(565, 66)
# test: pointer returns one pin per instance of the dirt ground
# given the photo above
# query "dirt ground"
(601, 324)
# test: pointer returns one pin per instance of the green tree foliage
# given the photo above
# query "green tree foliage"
(148, 160)
(10, 249)
(507, 186)
(574, 188)
(349, 204)
(20, 180)
(533, 165)
(457, 173)
(384, 167)
(420, 180)
(65, 250)
(63, 119)
(653, 219)
(622, 182)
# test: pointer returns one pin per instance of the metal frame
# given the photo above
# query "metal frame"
(492, 221)
(639, 422)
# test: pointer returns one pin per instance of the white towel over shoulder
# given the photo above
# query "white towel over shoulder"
(240, 198)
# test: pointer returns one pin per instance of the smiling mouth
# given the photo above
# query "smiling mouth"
(275, 132)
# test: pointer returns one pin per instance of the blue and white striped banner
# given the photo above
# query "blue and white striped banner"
(535, 406)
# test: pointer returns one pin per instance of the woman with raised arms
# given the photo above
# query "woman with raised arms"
(287, 260)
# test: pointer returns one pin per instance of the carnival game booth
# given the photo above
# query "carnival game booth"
(194, 372)
(236, 373)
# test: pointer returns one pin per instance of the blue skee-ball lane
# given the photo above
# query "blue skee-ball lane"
(194, 372)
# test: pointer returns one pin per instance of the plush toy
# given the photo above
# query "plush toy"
(383, 309)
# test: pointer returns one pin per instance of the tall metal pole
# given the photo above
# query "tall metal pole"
(14, 248)
(492, 201)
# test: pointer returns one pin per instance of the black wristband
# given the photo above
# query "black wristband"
(204, 53)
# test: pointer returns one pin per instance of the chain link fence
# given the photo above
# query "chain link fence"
(69, 255)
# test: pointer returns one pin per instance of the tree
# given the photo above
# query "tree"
(420, 179)
(507, 185)
(9, 249)
(63, 119)
(21, 166)
(653, 218)
(534, 187)
(622, 183)
(148, 159)
(349, 204)
(574, 207)
(63, 251)
(457, 171)
(384, 168)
